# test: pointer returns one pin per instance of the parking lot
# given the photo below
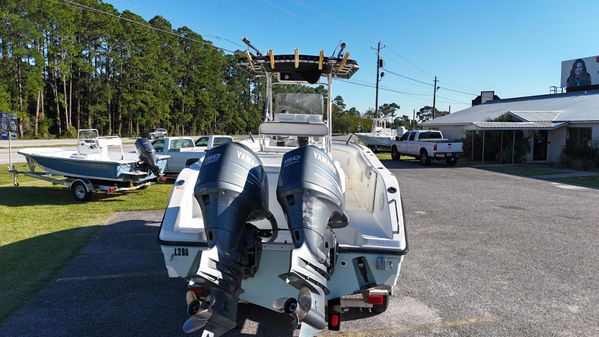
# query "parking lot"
(490, 255)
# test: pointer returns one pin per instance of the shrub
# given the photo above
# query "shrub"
(579, 156)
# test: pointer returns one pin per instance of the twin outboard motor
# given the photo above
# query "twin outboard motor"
(309, 191)
(147, 155)
(232, 190)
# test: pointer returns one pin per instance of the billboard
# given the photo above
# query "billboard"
(581, 72)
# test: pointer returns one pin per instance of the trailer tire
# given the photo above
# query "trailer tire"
(395, 155)
(80, 191)
(380, 308)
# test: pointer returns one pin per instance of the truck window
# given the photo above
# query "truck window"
(158, 145)
(221, 140)
(202, 141)
(431, 135)
(181, 143)
(412, 135)
(404, 136)
(185, 143)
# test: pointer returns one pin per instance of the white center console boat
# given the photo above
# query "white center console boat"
(290, 220)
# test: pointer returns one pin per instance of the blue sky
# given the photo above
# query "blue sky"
(512, 47)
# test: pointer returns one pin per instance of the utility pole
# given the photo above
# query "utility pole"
(434, 96)
(378, 66)
(414, 119)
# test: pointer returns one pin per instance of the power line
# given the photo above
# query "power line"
(461, 92)
(407, 77)
(147, 25)
(451, 99)
(383, 88)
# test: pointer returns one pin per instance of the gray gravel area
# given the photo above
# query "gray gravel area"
(490, 255)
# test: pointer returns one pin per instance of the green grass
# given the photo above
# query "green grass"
(387, 156)
(525, 170)
(588, 181)
(6, 179)
(42, 228)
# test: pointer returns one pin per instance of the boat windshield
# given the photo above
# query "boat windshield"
(298, 107)
(88, 135)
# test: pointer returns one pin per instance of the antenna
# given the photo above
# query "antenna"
(343, 45)
(249, 44)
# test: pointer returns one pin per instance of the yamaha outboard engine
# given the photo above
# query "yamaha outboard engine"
(232, 190)
(309, 191)
(147, 155)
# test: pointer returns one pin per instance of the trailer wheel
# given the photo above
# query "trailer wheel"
(80, 191)
(395, 155)
(380, 308)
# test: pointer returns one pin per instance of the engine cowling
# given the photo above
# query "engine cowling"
(147, 155)
(310, 194)
(232, 190)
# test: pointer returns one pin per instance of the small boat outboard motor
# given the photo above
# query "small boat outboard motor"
(147, 156)
(232, 190)
(309, 191)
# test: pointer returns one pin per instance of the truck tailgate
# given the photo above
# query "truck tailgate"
(452, 147)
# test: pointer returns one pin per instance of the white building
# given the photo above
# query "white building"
(547, 122)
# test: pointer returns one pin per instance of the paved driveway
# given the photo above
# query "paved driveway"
(490, 255)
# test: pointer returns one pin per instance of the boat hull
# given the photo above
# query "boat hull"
(92, 169)
(375, 140)
(262, 289)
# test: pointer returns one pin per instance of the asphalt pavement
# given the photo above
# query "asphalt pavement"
(490, 255)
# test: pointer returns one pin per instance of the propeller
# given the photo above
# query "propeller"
(279, 304)
(200, 311)
(297, 308)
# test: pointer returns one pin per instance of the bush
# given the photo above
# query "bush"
(70, 132)
(580, 157)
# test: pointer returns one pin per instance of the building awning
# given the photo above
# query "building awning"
(499, 126)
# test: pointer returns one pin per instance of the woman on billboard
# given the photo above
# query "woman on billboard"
(579, 75)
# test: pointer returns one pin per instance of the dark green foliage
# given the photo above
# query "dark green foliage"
(63, 68)
(580, 156)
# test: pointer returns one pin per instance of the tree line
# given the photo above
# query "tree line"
(63, 67)
(66, 66)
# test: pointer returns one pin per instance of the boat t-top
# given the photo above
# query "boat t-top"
(289, 220)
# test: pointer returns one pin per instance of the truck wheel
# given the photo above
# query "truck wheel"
(373, 149)
(424, 158)
(80, 191)
(395, 155)
(380, 308)
(451, 161)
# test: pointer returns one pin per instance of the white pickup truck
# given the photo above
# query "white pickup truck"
(183, 151)
(426, 145)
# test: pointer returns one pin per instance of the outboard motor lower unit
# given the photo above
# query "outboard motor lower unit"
(232, 190)
(309, 191)
(147, 155)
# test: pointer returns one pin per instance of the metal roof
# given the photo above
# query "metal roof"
(570, 107)
(535, 116)
(497, 126)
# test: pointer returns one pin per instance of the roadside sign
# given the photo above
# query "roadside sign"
(8, 125)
